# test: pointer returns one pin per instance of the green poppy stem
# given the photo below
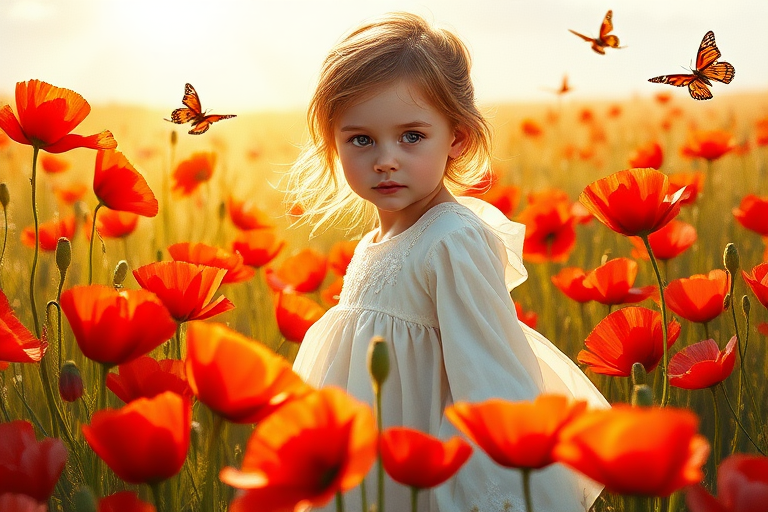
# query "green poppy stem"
(157, 496)
(339, 502)
(665, 357)
(716, 442)
(738, 420)
(90, 250)
(210, 486)
(364, 496)
(379, 463)
(527, 489)
(5, 235)
(414, 499)
(35, 152)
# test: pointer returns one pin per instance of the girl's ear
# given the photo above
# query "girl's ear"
(460, 139)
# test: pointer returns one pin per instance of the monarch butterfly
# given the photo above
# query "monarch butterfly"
(194, 112)
(605, 39)
(707, 69)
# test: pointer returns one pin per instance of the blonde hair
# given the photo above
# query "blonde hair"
(398, 46)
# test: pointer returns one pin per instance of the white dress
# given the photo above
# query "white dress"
(439, 294)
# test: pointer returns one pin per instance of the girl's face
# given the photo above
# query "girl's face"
(394, 147)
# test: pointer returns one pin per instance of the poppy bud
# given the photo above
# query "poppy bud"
(5, 196)
(642, 396)
(726, 301)
(70, 382)
(222, 210)
(745, 305)
(121, 272)
(638, 374)
(731, 259)
(378, 361)
(85, 500)
(63, 255)
(159, 255)
(174, 137)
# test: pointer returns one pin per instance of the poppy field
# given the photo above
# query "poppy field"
(156, 288)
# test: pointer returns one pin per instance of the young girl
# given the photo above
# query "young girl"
(394, 126)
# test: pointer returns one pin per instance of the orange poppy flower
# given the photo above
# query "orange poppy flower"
(116, 326)
(668, 242)
(113, 223)
(29, 466)
(624, 337)
(340, 255)
(17, 343)
(237, 377)
(693, 183)
(586, 116)
(203, 254)
(503, 197)
(611, 283)
(549, 231)
(516, 434)
(742, 486)
(70, 194)
(531, 128)
(119, 186)
(246, 216)
(49, 233)
(296, 314)
(303, 272)
(46, 116)
(752, 213)
(570, 281)
(20, 502)
(529, 318)
(761, 132)
(4, 140)
(186, 289)
(54, 164)
(328, 427)
(698, 298)
(708, 144)
(145, 441)
(663, 97)
(647, 155)
(632, 202)
(124, 501)
(762, 328)
(648, 451)
(331, 294)
(192, 172)
(258, 247)
(702, 365)
(758, 282)
(145, 377)
(614, 111)
(419, 460)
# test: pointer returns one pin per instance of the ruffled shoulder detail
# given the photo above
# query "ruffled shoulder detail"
(512, 235)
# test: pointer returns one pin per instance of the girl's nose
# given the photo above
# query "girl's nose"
(386, 161)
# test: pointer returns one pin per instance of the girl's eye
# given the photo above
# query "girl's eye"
(411, 137)
(361, 140)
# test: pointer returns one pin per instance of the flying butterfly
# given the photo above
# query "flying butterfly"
(605, 39)
(707, 69)
(193, 112)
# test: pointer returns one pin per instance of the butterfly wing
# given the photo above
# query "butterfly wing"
(721, 71)
(589, 39)
(182, 115)
(676, 80)
(699, 90)
(205, 122)
(191, 99)
(607, 25)
(708, 52)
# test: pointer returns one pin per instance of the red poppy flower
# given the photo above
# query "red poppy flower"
(531, 128)
(20, 502)
(611, 283)
(258, 247)
(192, 172)
(570, 281)
(698, 298)
(648, 451)
(633, 202)
(145, 441)
(327, 427)
(702, 365)
(663, 97)
(693, 183)
(296, 314)
(624, 337)
(340, 255)
(742, 486)
(116, 326)
(708, 144)
(237, 377)
(752, 213)
(614, 111)
(246, 216)
(46, 116)
(145, 377)
(503, 197)
(113, 223)
(54, 164)
(529, 318)
(4, 140)
(758, 282)
(49, 233)
(70, 194)
(668, 242)
(516, 434)
(303, 272)
(647, 155)
(29, 466)
(586, 116)
(125, 501)
(549, 231)
(119, 186)
(186, 289)
(17, 343)
(419, 460)
(330, 295)
(203, 254)
(761, 132)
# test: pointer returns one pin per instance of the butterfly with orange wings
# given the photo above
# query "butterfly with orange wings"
(707, 69)
(605, 39)
(194, 112)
